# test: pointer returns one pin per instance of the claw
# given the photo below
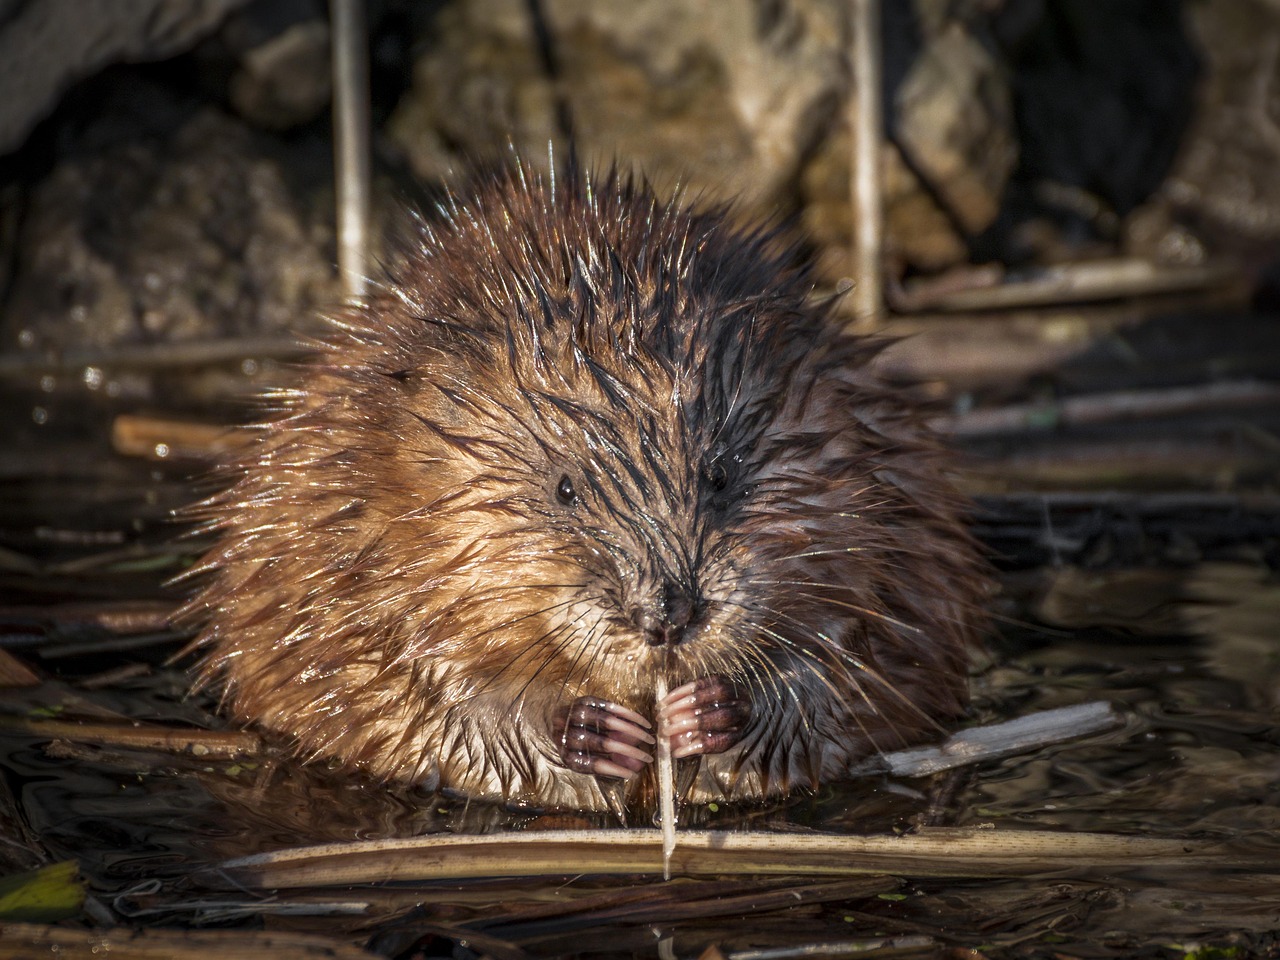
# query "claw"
(705, 716)
(602, 739)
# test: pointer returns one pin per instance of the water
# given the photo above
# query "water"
(1198, 756)
(1193, 667)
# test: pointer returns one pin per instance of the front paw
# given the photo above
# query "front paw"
(708, 715)
(602, 739)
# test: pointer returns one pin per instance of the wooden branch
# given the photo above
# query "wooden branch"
(15, 673)
(1110, 407)
(164, 438)
(996, 740)
(1060, 284)
(351, 126)
(124, 943)
(152, 356)
(866, 125)
(117, 616)
(1134, 464)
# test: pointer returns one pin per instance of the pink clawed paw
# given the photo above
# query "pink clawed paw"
(705, 716)
(603, 739)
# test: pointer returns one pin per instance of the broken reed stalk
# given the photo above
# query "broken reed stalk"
(351, 141)
(929, 853)
(865, 124)
(40, 940)
(666, 779)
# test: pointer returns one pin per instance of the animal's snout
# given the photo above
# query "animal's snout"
(666, 621)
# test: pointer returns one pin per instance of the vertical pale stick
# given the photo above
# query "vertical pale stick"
(866, 123)
(666, 780)
(350, 43)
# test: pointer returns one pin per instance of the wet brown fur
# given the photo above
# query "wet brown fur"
(396, 583)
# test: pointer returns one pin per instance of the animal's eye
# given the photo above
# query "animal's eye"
(565, 492)
(717, 476)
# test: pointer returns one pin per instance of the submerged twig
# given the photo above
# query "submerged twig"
(1061, 284)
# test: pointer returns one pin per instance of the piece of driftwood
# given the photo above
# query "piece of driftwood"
(210, 744)
(996, 740)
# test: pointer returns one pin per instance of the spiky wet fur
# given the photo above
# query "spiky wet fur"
(397, 584)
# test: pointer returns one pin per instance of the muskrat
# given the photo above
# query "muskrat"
(577, 439)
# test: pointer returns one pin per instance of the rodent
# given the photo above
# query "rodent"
(577, 438)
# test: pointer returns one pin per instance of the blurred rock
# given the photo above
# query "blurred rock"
(189, 233)
(286, 80)
(727, 96)
(47, 46)
(917, 231)
(954, 121)
(1226, 171)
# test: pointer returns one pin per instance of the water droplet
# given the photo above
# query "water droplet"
(40, 415)
(161, 451)
(249, 367)
(48, 382)
(26, 338)
(92, 377)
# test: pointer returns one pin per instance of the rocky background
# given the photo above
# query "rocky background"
(166, 233)
(167, 225)
(166, 172)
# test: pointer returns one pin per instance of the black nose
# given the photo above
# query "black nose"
(665, 622)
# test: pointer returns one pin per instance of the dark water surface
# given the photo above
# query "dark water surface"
(1198, 757)
(1196, 676)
